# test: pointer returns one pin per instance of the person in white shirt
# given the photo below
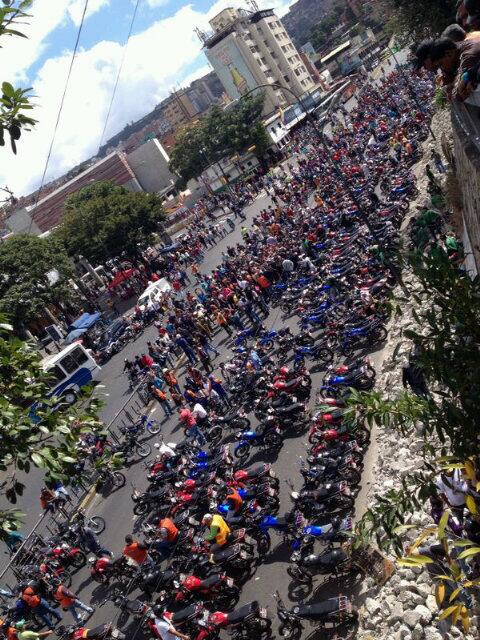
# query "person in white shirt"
(200, 413)
(167, 631)
(452, 489)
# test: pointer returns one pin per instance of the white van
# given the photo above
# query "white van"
(153, 293)
(71, 369)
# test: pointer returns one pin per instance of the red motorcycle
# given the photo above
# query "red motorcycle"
(248, 621)
(68, 556)
(218, 587)
(97, 633)
(259, 474)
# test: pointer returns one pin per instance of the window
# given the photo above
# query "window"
(56, 376)
(297, 71)
(277, 36)
(74, 360)
(284, 48)
(286, 78)
(249, 164)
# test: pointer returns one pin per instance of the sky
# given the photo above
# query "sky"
(163, 53)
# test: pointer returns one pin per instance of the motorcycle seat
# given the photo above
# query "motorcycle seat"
(327, 559)
(291, 408)
(224, 554)
(210, 581)
(318, 610)
(184, 614)
(256, 472)
(240, 614)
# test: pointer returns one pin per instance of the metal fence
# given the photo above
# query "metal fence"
(48, 523)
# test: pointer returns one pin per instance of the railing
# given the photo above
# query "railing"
(47, 524)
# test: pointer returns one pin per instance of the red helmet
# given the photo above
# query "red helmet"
(190, 484)
(284, 371)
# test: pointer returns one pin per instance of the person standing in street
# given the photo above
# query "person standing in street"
(70, 602)
(162, 400)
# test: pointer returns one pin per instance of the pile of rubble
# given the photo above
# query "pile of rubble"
(405, 607)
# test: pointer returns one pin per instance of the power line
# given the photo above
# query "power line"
(62, 101)
(124, 54)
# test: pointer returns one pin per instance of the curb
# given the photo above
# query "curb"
(88, 499)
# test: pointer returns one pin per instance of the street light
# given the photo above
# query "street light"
(320, 135)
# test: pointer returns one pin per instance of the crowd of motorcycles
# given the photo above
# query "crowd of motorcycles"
(341, 312)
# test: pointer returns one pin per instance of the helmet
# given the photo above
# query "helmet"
(284, 371)
(190, 484)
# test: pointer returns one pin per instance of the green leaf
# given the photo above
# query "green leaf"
(8, 89)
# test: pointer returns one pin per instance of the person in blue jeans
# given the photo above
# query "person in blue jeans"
(186, 347)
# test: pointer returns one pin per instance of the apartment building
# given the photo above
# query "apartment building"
(248, 49)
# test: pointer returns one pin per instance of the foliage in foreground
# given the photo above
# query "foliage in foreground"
(14, 101)
(49, 443)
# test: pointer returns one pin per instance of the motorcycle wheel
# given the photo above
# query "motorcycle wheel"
(273, 440)
(97, 524)
(297, 574)
(215, 435)
(154, 427)
(141, 508)
(344, 503)
(370, 372)
(351, 477)
(271, 503)
(324, 354)
(119, 479)
(242, 451)
(291, 631)
(241, 423)
(263, 543)
(79, 560)
(143, 450)
(268, 344)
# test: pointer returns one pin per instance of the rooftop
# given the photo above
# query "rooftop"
(335, 52)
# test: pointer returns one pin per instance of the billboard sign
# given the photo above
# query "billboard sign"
(229, 64)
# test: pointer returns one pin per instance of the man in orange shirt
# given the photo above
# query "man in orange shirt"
(70, 602)
(137, 552)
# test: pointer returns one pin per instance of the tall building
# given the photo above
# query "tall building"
(252, 48)
(178, 109)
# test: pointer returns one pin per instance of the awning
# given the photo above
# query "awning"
(120, 277)
(85, 321)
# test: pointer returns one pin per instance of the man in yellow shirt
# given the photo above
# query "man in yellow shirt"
(219, 531)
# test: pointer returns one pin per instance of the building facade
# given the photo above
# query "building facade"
(249, 49)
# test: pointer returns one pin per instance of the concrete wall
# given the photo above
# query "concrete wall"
(21, 222)
(150, 164)
(467, 161)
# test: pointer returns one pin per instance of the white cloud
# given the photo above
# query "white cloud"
(75, 10)
(157, 3)
(157, 59)
(18, 54)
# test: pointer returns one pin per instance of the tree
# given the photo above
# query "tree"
(49, 443)
(13, 101)
(221, 133)
(412, 21)
(35, 272)
(104, 221)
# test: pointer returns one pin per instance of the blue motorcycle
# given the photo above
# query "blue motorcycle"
(316, 352)
(266, 438)
(357, 336)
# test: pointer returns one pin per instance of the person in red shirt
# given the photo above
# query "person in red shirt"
(146, 360)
